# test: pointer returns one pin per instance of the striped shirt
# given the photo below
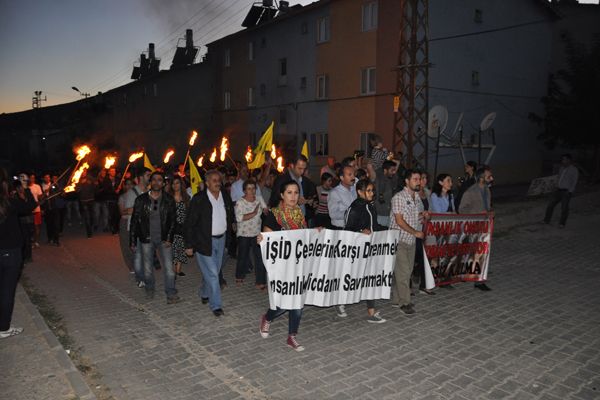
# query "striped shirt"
(323, 193)
(409, 205)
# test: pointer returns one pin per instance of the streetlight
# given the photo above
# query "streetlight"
(86, 95)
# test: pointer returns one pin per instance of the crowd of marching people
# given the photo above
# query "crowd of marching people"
(162, 225)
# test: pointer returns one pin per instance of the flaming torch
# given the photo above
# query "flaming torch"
(213, 156)
(168, 155)
(273, 152)
(81, 152)
(75, 178)
(280, 164)
(190, 144)
(223, 148)
(201, 161)
(248, 155)
(132, 159)
(109, 162)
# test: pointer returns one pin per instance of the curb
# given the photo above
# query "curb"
(80, 387)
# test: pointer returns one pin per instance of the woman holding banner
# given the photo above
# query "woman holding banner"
(286, 216)
(362, 217)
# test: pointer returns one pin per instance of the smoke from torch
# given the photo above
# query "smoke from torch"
(76, 177)
(273, 152)
(224, 147)
(193, 138)
(168, 156)
(279, 164)
(136, 156)
(109, 161)
(248, 154)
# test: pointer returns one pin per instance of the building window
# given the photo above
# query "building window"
(367, 81)
(322, 86)
(319, 144)
(283, 116)
(227, 58)
(369, 16)
(475, 78)
(366, 138)
(323, 30)
(251, 51)
(304, 28)
(251, 97)
(263, 89)
(155, 89)
(478, 17)
(303, 82)
(227, 100)
(282, 72)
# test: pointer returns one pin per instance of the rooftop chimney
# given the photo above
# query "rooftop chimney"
(151, 51)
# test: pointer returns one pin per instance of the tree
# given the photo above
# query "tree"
(571, 116)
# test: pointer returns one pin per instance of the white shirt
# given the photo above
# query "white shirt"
(36, 192)
(219, 216)
(237, 191)
(250, 227)
(338, 201)
(567, 178)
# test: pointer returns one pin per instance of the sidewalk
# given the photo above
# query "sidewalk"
(34, 365)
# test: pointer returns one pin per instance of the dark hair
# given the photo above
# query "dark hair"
(301, 157)
(387, 164)
(567, 156)
(363, 184)
(437, 188)
(184, 194)
(361, 173)
(141, 171)
(410, 172)
(162, 175)
(472, 164)
(325, 176)
(341, 170)
(480, 173)
(247, 183)
(347, 161)
(285, 184)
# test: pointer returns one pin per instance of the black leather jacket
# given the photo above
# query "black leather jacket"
(197, 230)
(362, 215)
(139, 227)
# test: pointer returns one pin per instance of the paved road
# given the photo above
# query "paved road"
(535, 336)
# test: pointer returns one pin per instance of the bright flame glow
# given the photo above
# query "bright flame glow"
(109, 161)
(193, 138)
(201, 160)
(223, 148)
(136, 156)
(273, 152)
(248, 155)
(280, 164)
(213, 156)
(168, 156)
(82, 152)
(76, 177)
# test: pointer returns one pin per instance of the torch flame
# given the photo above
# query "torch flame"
(201, 160)
(248, 155)
(273, 152)
(279, 164)
(168, 156)
(193, 138)
(76, 177)
(224, 147)
(109, 161)
(213, 156)
(136, 156)
(82, 152)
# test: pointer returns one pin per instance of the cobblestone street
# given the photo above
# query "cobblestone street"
(535, 336)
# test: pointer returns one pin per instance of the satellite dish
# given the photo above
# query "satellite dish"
(437, 121)
(487, 121)
(458, 125)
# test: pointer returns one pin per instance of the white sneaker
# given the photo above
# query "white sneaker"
(341, 311)
(12, 331)
(141, 284)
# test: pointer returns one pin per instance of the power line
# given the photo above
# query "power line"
(505, 28)
(518, 96)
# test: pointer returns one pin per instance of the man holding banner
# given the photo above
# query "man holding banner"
(406, 218)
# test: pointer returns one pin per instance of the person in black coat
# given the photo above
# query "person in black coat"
(362, 217)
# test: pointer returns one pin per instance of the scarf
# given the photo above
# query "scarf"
(289, 217)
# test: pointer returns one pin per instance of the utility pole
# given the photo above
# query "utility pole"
(412, 84)
(36, 100)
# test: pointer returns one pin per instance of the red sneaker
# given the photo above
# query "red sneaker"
(293, 343)
(264, 326)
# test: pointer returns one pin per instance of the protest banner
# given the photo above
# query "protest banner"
(329, 267)
(457, 248)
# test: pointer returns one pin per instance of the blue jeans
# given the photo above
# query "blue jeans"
(166, 259)
(210, 267)
(138, 263)
(294, 318)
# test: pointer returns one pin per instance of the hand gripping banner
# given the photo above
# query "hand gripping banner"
(329, 267)
(457, 248)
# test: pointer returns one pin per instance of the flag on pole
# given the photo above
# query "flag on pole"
(195, 177)
(148, 164)
(304, 151)
(264, 145)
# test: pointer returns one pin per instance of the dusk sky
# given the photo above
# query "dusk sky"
(54, 45)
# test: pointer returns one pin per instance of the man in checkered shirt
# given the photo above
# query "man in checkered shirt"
(406, 216)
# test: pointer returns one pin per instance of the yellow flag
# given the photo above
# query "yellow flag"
(195, 177)
(148, 164)
(304, 151)
(264, 145)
